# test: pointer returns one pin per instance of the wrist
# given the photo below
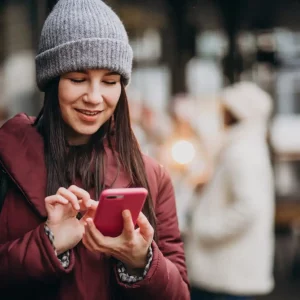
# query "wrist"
(128, 275)
(54, 238)
(139, 265)
(134, 271)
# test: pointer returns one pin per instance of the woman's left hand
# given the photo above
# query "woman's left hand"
(131, 247)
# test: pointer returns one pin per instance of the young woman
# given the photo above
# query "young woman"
(58, 164)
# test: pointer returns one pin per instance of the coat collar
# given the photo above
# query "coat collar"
(22, 157)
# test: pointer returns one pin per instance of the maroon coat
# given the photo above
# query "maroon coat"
(29, 268)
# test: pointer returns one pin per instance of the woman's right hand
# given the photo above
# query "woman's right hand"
(62, 209)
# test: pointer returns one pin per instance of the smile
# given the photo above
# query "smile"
(89, 112)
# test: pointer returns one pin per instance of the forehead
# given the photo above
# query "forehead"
(97, 72)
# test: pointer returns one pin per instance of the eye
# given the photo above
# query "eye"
(74, 80)
(110, 82)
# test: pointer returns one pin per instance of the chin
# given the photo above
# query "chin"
(88, 131)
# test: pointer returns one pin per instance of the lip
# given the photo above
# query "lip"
(88, 111)
(83, 114)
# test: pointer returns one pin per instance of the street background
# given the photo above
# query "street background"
(185, 53)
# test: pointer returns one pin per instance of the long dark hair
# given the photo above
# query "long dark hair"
(66, 164)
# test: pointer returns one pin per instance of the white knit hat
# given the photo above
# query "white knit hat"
(247, 101)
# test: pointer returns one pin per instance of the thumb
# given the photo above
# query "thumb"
(90, 213)
(128, 227)
(145, 227)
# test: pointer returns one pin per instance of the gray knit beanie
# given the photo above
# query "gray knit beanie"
(80, 35)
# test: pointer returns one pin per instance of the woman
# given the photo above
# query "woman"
(230, 249)
(80, 144)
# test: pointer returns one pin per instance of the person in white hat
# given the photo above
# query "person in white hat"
(230, 249)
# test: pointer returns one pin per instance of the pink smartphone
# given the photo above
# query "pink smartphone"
(108, 218)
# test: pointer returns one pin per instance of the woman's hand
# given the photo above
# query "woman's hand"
(131, 247)
(62, 209)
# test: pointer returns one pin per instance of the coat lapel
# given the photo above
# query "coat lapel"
(22, 156)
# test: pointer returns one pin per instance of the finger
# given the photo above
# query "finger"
(69, 196)
(90, 213)
(97, 236)
(128, 227)
(145, 227)
(86, 245)
(94, 205)
(55, 199)
(88, 240)
(92, 242)
(81, 194)
(91, 247)
(81, 205)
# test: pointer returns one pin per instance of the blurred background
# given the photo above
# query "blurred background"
(185, 53)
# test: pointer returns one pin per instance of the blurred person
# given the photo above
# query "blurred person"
(16, 98)
(231, 242)
(57, 163)
(142, 125)
(184, 154)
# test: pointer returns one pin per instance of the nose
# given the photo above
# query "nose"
(94, 95)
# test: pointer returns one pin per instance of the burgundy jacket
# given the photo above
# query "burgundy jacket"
(29, 268)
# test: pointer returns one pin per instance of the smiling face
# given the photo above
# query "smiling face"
(87, 99)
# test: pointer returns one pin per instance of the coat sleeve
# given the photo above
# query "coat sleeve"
(167, 276)
(249, 185)
(30, 258)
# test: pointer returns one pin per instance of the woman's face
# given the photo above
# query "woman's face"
(87, 99)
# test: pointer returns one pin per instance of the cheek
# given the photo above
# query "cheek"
(66, 96)
(113, 96)
(64, 112)
(65, 106)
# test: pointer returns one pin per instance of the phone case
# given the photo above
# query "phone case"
(108, 218)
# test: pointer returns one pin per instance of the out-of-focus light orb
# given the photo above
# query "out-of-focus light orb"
(183, 152)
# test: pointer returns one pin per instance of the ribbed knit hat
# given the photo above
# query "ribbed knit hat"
(80, 35)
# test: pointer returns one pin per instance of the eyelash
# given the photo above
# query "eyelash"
(76, 81)
(110, 83)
